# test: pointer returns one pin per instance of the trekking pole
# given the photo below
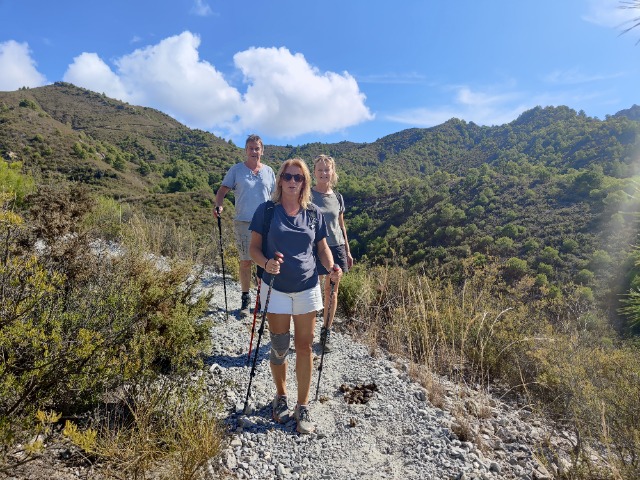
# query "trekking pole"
(326, 333)
(224, 279)
(260, 332)
(253, 326)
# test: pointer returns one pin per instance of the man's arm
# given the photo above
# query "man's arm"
(222, 191)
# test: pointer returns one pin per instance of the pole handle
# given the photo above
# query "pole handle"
(335, 269)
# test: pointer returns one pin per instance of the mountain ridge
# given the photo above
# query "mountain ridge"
(420, 198)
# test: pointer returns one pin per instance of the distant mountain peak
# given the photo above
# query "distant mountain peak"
(632, 113)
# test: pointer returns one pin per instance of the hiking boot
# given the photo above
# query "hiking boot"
(325, 337)
(246, 301)
(280, 409)
(302, 416)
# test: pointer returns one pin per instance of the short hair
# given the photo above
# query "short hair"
(253, 138)
(329, 160)
(305, 192)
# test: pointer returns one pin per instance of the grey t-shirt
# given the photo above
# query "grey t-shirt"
(296, 238)
(330, 205)
(250, 189)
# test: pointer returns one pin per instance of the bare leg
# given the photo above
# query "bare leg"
(304, 326)
(245, 275)
(279, 323)
(327, 301)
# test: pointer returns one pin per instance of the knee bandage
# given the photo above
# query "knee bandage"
(279, 347)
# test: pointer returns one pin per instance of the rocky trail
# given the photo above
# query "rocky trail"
(373, 421)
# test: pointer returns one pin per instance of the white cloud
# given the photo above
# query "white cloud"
(17, 67)
(201, 8)
(168, 76)
(608, 13)
(287, 97)
(483, 108)
(89, 71)
(171, 77)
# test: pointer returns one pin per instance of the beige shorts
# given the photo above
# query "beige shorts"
(243, 239)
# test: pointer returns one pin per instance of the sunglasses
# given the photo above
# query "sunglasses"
(298, 178)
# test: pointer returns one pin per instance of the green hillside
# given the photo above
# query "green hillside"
(549, 195)
(139, 155)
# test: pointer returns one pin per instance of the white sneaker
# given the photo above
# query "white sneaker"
(301, 414)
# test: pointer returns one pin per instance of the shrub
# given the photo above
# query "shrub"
(165, 427)
(585, 277)
(596, 389)
(76, 322)
(515, 268)
(13, 183)
(354, 291)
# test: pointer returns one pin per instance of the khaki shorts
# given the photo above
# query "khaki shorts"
(243, 239)
(294, 303)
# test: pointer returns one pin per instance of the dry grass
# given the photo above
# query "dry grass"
(541, 350)
(166, 430)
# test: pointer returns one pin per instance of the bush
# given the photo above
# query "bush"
(12, 180)
(585, 277)
(165, 427)
(78, 322)
(353, 293)
(515, 268)
(596, 389)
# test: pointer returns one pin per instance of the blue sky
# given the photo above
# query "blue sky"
(297, 72)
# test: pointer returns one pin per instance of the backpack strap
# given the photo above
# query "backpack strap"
(266, 226)
(340, 199)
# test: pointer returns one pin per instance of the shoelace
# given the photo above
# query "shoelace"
(303, 415)
(282, 403)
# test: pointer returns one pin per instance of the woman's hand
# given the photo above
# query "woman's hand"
(273, 264)
(349, 260)
(336, 274)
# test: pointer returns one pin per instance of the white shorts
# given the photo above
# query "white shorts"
(243, 239)
(295, 303)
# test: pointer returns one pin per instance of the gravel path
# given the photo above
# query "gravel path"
(396, 434)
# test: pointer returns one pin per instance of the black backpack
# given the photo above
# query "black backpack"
(266, 226)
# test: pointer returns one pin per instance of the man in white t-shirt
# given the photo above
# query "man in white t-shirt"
(252, 182)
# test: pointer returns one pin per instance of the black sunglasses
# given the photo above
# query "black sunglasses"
(298, 178)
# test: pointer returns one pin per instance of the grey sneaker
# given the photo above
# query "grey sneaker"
(246, 300)
(325, 337)
(301, 414)
(280, 409)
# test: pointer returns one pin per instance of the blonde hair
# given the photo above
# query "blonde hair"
(305, 192)
(332, 163)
